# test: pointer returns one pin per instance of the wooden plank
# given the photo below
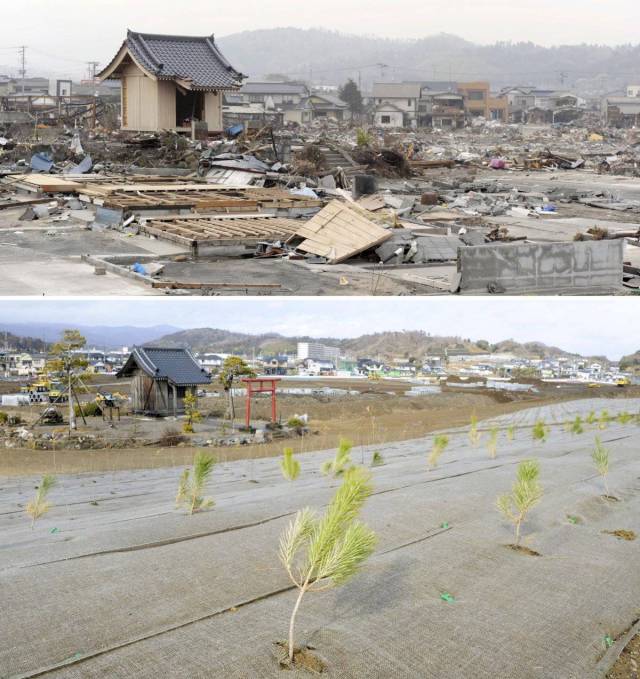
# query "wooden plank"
(339, 232)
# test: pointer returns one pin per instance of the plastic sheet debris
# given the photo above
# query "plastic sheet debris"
(41, 162)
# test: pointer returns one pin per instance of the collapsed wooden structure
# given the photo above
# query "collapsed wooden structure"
(196, 231)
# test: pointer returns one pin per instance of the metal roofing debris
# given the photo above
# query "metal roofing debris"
(339, 232)
(177, 366)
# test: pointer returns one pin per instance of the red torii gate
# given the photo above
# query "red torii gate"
(261, 385)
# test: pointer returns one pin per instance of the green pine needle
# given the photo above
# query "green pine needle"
(289, 465)
(193, 482)
(39, 506)
(341, 461)
(320, 552)
(440, 443)
(525, 494)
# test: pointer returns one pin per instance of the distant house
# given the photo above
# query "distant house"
(441, 110)
(388, 115)
(403, 96)
(161, 377)
(168, 81)
(7, 85)
(324, 105)
(274, 94)
(621, 111)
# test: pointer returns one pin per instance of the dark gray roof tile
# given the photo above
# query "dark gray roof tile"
(178, 366)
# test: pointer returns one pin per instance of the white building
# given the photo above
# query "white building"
(403, 96)
(318, 352)
(633, 91)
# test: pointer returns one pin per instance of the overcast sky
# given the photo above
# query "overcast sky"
(63, 34)
(590, 326)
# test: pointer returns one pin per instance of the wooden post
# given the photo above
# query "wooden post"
(248, 405)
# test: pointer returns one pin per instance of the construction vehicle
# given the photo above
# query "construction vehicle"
(622, 382)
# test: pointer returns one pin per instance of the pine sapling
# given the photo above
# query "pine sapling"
(600, 457)
(321, 552)
(591, 417)
(474, 434)
(440, 443)
(341, 461)
(377, 459)
(511, 432)
(604, 420)
(624, 417)
(539, 431)
(39, 506)
(289, 465)
(193, 482)
(525, 494)
(492, 445)
(576, 425)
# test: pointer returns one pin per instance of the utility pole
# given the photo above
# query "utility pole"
(22, 51)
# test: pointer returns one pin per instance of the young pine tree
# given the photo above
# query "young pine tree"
(474, 434)
(511, 432)
(440, 443)
(341, 461)
(525, 494)
(289, 465)
(492, 445)
(320, 552)
(591, 417)
(193, 482)
(39, 506)
(600, 457)
(603, 421)
(539, 431)
(624, 417)
(576, 425)
(193, 415)
(377, 460)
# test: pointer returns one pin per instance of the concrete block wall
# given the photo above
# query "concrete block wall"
(580, 267)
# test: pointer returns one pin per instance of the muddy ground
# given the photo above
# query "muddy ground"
(628, 665)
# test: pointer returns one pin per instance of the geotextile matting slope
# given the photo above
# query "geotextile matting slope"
(114, 582)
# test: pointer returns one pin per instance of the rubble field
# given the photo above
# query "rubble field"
(176, 595)
(323, 209)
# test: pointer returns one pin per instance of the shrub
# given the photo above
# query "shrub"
(525, 493)
(296, 423)
(90, 409)
(332, 547)
(363, 138)
(339, 464)
(440, 443)
(39, 506)
(289, 465)
(600, 457)
(4, 418)
(591, 417)
(192, 484)
(171, 437)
